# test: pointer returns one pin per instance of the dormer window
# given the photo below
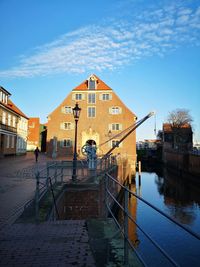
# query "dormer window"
(91, 83)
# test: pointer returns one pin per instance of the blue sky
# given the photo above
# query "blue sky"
(148, 52)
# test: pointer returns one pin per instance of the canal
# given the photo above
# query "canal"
(179, 199)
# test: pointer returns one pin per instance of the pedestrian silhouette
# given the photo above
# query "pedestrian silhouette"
(36, 152)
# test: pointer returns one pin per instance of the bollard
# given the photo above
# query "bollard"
(139, 167)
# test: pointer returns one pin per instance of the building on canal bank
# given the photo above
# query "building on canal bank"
(103, 115)
(178, 150)
(13, 126)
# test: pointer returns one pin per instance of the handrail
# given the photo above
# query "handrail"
(126, 214)
(158, 210)
(54, 200)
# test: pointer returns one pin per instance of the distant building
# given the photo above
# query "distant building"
(177, 138)
(103, 115)
(33, 134)
(148, 144)
(37, 134)
(13, 126)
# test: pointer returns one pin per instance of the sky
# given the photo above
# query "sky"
(148, 52)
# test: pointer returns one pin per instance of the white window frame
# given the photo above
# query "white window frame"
(78, 96)
(90, 113)
(106, 97)
(9, 120)
(113, 110)
(91, 98)
(67, 125)
(116, 127)
(113, 142)
(4, 117)
(92, 80)
(14, 122)
(67, 109)
(66, 142)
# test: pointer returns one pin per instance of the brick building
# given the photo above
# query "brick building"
(103, 115)
(33, 134)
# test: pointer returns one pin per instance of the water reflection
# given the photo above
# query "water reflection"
(180, 197)
(132, 206)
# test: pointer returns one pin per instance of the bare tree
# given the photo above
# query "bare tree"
(179, 117)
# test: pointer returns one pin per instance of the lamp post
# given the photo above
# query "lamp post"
(76, 114)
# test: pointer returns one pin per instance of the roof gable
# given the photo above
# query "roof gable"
(14, 108)
(100, 85)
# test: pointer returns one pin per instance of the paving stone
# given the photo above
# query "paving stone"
(46, 244)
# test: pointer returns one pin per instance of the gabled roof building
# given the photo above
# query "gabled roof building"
(103, 115)
(13, 126)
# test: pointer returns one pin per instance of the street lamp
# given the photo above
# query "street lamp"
(76, 114)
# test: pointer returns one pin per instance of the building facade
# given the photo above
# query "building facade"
(103, 116)
(13, 126)
(33, 134)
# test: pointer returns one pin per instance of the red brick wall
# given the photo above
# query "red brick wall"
(33, 132)
(79, 204)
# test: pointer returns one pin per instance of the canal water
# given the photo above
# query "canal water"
(179, 199)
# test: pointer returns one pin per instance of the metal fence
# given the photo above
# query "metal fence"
(111, 188)
(60, 172)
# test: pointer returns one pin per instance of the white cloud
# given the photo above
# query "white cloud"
(101, 47)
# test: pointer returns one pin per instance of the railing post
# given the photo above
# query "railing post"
(47, 178)
(106, 188)
(126, 256)
(61, 173)
(37, 176)
(55, 173)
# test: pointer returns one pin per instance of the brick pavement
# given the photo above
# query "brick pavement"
(16, 187)
(61, 243)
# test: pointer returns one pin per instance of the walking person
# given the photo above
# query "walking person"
(36, 152)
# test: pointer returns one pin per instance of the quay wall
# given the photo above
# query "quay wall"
(183, 162)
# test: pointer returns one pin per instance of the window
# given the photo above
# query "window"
(78, 96)
(9, 119)
(14, 121)
(66, 143)
(115, 143)
(115, 110)
(116, 127)
(91, 98)
(91, 84)
(105, 97)
(68, 109)
(91, 112)
(4, 118)
(67, 125)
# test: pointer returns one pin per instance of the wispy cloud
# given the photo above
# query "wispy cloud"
(100, 47)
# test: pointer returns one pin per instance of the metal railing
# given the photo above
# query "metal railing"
(110, 200)
(60, 172)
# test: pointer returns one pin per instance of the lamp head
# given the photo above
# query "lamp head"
(76, 112)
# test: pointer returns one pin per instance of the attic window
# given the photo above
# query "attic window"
(91, 83)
